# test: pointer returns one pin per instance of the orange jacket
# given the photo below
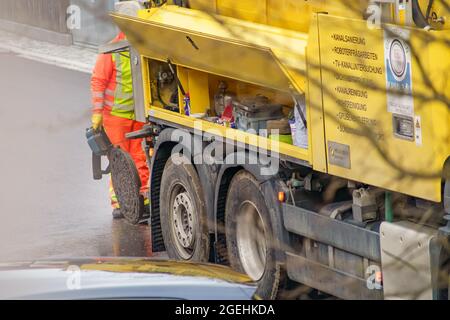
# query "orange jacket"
(103, 81)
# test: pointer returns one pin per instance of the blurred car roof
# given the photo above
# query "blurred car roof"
(121, 278)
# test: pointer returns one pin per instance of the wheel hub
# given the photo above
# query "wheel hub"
(251, 240)
(183, 220)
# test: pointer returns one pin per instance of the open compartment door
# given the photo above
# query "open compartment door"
(258, 54)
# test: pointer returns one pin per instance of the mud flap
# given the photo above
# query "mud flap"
(126, 184)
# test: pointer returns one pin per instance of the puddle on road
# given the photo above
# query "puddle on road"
(130, 240)
(116, 238)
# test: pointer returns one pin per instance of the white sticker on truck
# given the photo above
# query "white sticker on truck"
(418, 130)
(397, 55)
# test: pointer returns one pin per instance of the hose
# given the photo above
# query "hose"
(419, 19)
(169, 106)
(430, 6)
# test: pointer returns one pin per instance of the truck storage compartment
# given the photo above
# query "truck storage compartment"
(224, 101)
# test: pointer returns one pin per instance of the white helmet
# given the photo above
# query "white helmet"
(129, 8)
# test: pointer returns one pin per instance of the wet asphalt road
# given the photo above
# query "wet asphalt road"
(49, 204)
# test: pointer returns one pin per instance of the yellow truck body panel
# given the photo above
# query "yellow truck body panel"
(359, 127)
(362, 108)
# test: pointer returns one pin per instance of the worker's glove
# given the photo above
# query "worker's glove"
(97, 120)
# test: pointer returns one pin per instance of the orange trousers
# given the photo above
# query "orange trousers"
(116, 128)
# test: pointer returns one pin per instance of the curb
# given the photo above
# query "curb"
(52, 60)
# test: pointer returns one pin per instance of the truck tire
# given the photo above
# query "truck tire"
(183, 213)
(250, 236)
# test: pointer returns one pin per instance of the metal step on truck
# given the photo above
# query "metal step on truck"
(300, 142)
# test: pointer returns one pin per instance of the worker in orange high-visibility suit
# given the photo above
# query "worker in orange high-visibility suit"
(113, 108)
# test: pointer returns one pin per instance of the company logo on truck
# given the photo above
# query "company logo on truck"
(397, 60)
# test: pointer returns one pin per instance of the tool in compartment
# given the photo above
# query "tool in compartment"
(187, 98)
(252, 113)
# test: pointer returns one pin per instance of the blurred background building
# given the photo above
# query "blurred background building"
(47, 20)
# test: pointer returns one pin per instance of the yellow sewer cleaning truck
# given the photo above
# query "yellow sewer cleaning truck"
(300, 142)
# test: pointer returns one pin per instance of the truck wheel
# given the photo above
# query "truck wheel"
(183, 213)
(249, 235)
